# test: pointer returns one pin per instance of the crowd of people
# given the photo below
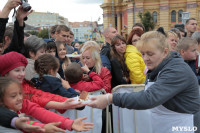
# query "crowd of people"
(36, 75)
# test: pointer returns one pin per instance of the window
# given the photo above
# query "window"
(155, 17)
(180, 15)
(116, 21)
(173, 16)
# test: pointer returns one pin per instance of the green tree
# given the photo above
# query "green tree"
(33, 32)
(44, 33)
(147, 20)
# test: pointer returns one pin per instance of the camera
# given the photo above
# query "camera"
(26, 6)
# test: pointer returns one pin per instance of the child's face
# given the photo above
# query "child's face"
(173, 42)
(62, 51)
(190, 53)
(77, 45)
(66, 63)
(17, 73)
(13, 97)
(41, 51)
(182, 34)
(64, 66)
(51, 51)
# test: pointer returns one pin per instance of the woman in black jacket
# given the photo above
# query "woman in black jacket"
(120, 74)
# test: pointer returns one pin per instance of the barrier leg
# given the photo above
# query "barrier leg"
(107, 119)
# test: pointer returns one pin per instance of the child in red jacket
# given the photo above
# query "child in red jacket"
(74, 74)
(13, 65)
(11, 98)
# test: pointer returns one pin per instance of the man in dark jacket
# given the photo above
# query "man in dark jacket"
(109, 33)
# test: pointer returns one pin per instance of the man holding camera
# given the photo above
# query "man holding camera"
(18, 33)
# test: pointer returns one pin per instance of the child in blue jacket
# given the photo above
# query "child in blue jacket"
(46, 67)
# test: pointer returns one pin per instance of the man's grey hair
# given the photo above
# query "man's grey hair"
(196, 36)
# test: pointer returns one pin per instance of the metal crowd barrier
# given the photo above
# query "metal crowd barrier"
(93, 115)
(9, 130)
(130, 120)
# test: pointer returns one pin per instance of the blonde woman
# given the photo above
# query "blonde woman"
(91, 57)
(104, 59)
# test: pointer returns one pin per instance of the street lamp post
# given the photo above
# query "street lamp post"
(48, 25)
(133, 12)
(113, 13)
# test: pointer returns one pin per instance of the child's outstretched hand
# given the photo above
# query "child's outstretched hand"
(85, 68)
(21, 123)
(52, 128)
(65, 83)
(79, 125)
(69, 104)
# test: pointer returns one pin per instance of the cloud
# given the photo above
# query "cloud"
(88, 1)
(74, 10)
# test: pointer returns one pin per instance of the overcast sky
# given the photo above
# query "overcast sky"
(74, 10)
